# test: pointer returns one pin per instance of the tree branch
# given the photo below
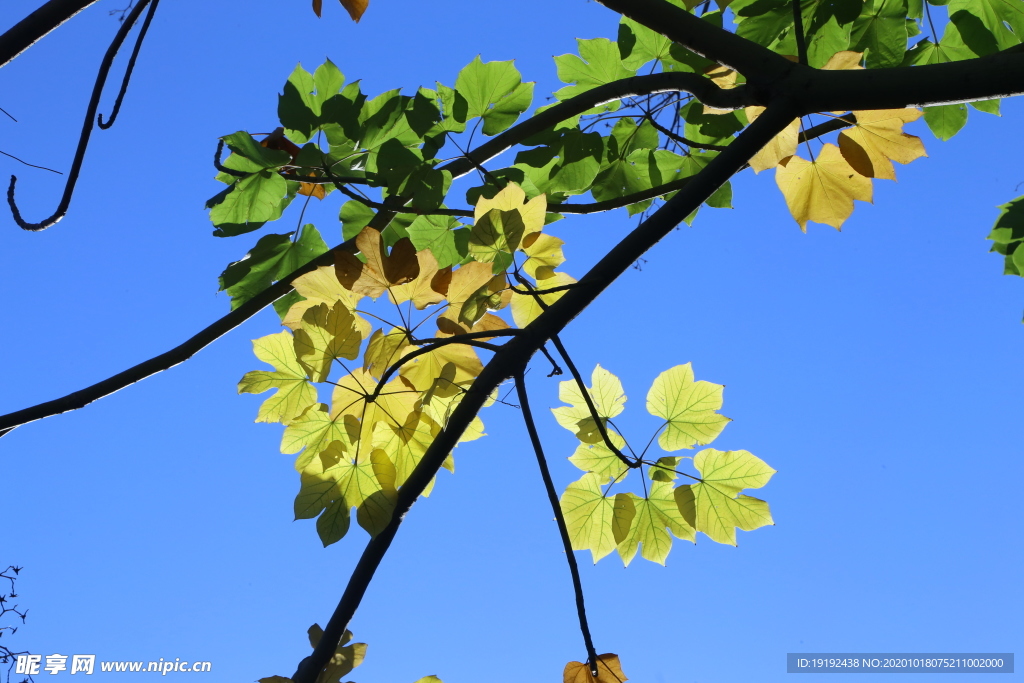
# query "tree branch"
(83, 141)
(512, 357)
(556, 508)
(26, 32)
(130, 68)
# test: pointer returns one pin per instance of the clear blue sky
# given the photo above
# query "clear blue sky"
(876, 369)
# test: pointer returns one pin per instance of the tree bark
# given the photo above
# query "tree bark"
(26, 32)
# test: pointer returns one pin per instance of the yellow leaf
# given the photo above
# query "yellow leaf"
(465, 282)
(525, 307)
(512, 198)
(781, 146)
(384, 349)
(327, 333)
(845, 59)
(608, 671)
(294, 393)
(878, 139)
(822, 190)
(421, 291)
(382, 270)
(544, 254)
(322, 287)
(443, 370)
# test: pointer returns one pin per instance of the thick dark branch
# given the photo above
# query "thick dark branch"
(22, 35)
(838, 123)
(990, 77)
(171, 358)
(83, 141)
(511, 359)
(556, 508)
(757, 63)
(625, 200)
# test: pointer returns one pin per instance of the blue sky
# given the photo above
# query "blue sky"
(875, 369)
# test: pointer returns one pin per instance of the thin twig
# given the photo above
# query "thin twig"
(556, 508)
(131, 67)
(22, 161)
(798, 32)
(83, 142)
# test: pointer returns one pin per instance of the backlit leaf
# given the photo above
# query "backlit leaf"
(822, 190)
(878, 139)
(326, 334)
(605, 392)
(653, 515)
(688, 407)
(713, 506)
(781, 146)
(294, 392)
(526, 309)
(381, 270)
(590, 517)
(599, 459)
(608, 671)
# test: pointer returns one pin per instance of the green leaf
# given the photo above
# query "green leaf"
(827, 40)
(314, 431)
(688, 408)
(638, 44)
(444, 236)
(294, 393)
(1004, 19)
(593, 521)
(245, 145)
(714, 129)
(273, 257)
(652, 516)
(1008, 234)
(494, 91)
(987, 106)
(881, 32)
(494, 237)
(605, 392)
(598, 63)
(946, 120)
(297, 108)
(354, 216)
(713, 506)
(258, 198)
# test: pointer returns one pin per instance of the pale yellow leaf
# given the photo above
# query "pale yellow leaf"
(878, 139)
(781, 146)
(511, 198)
(526, 309)
(823, 190)
(608, 671)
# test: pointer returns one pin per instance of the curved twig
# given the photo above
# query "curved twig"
(131, 67)
(563, 532)
(22, 161)
(83, 142)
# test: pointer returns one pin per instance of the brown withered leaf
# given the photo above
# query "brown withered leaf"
(450, 328)
(355, 8)
(381, 270)
(608, 671)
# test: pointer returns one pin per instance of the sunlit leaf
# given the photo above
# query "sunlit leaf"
(381, 270)
(294, 392)
(605, 392)
(878, 139)
(653, 515)
(608, 671)
(713, 506)
(822, 190)
(326, 334)
(688, 408)
(599, 459)
(591, 518)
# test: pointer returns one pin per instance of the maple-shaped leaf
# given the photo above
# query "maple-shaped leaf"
(405, 443)
(822, 190)
(688, 408)
(599, 459)
(322, 287)
(397, 399)
(294, 392)
(608, 671)
(513, 198)
(382, 270)
(593, 520)
(651, 517)
(713, 506)
(544, 254)
(327, 333)
(487, 323)
(526, 308)
(781, 146)
(421, 291)
(384, 349)
(314, 431)
(606, 393)
(463, 285)
(494, 237)
(494, 295)
(345, 658)
(444, 370)
(878, 140)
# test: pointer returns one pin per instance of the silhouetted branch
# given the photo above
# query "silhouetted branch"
(131, 67)
(22, 35)
(83, 142)
(563, 532)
